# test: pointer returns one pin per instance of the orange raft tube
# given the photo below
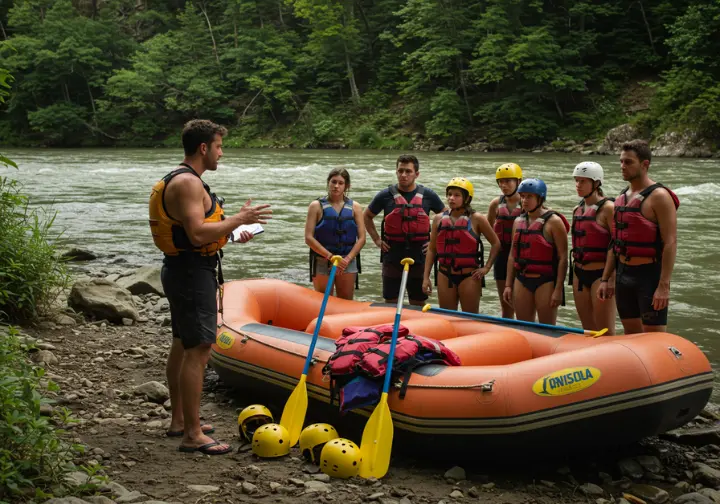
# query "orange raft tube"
(528, 387)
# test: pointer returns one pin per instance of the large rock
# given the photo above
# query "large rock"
(616, 137)
(650, 494)
(706, 475)
(102, 299)
(694, 437)
(693, 498)
(681, 144)
(78, 254)
(155, 391)
(145, 280)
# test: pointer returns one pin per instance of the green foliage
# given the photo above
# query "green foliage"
(31, 275)
(308, 72)
(34, 457)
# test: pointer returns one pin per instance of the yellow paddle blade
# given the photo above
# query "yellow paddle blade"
(595, 334)
(293, 415)
(376, 444)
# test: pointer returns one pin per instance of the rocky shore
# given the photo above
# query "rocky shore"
(672, 144)
(106, 348)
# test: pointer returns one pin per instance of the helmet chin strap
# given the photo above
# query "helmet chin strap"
(516, 188)
(591, 192)
(542, 200)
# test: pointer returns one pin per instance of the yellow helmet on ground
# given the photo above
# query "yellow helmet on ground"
(251, 418)
(313, 439)
(508, 170)
(461, 183)
(271, 440)
(340, 458)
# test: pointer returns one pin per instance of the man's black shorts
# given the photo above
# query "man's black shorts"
(634, 290)
(500, 266)
(191, 289)
(392, 276)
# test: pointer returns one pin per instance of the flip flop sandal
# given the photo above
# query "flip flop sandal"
(205, 449)
(181, 433)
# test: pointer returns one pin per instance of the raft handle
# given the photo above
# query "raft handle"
(677, 353)
(487, 387)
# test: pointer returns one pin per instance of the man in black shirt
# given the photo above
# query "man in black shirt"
(405, 229)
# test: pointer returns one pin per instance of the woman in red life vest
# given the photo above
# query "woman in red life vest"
(335, 226)
(538, 257)
(501, 215)
(455, 242)
(591, 238)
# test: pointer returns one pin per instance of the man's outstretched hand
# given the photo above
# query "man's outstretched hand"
(259, 214)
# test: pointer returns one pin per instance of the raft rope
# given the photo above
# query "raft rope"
(486, 387)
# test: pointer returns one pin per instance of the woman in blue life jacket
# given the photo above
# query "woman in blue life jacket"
(455, 242)
(335, 226)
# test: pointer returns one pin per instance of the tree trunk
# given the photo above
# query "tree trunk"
(647, 27)
(217, 58)
(235, 32)
(282, 21)
(92, 103)
(557, 106)
(354, 93)
(461, 74)
(2, 29)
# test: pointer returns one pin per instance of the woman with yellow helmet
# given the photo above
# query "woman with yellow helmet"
(501, 215)
(455, 243)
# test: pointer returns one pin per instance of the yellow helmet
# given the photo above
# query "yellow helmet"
(462, 183)
(271, 440)
(340, 458)
(251, 418)
(508, 170)
(313, 439)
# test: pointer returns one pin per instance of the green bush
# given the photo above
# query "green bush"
(34, 458)
(31, 274)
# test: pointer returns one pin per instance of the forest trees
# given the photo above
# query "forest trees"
(517, 72)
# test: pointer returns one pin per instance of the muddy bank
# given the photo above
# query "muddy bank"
(111, 375)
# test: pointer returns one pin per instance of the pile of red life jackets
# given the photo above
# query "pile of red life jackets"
(360, 361)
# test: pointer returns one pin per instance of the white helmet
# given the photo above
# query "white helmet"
(589, 169)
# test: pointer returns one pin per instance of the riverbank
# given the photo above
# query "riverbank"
(111, 375)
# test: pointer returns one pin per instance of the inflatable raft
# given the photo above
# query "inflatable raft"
(541, 388)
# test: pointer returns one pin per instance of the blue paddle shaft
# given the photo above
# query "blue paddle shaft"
(511, 321)
(391, 354)
(329, 287)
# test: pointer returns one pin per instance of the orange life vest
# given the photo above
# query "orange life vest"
(168, 233)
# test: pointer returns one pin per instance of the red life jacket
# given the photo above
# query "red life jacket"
(504, 223)
(458, 246)
(374, 362)
(590, 241)
(408, 222)
(533, 253)
(357, 355)
(352, 345)
(633, 234)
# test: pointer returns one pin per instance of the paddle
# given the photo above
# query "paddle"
(594, 334)
(293, 415)
(377, 437)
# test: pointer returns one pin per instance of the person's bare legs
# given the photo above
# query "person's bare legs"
(192, 373)
(172, 372)
(345, 285)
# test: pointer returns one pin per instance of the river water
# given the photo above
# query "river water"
(101, 198)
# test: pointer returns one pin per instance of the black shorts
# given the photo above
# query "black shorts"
(634, 290)
(500, 266)
(587, 277)
(191, 289)
(392, 277)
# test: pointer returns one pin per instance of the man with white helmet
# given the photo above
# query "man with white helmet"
(591, 224)
(644, 245)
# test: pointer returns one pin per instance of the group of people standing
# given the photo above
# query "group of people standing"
(622, 248)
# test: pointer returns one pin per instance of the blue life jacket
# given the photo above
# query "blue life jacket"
(337, 233)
